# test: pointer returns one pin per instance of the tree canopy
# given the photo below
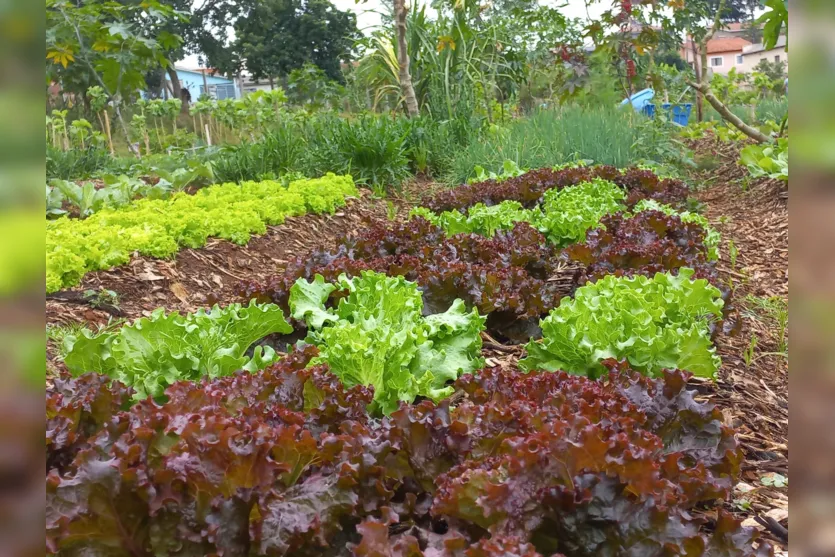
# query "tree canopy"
(276, 37)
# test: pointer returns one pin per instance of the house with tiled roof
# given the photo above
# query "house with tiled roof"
(753, 54)
(723, 53)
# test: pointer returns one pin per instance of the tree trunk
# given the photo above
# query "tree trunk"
(698, 73)
(406, 87)
(107, 130)
(177, 88)
(729, 116)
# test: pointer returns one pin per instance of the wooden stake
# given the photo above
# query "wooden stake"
(107, 130)
(208, 136)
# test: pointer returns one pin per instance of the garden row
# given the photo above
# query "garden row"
(160, 227)
(383, 433)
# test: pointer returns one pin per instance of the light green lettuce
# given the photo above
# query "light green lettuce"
(656, 323)
(159, 228)
(153, 352)
(566, 214)
(377, 336)
(479, 219)
(712, 236)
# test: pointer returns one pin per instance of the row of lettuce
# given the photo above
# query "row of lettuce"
(382, 432)
(161, 227)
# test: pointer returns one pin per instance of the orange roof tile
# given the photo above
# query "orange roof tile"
(731, 44)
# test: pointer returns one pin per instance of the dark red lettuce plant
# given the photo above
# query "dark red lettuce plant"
(287, 462)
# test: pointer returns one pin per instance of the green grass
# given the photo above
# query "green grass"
(551, 137)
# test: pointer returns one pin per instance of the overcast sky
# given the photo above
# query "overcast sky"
(368, 15)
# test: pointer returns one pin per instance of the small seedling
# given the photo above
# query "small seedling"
(733, 253)
(99, 298)
(742, 504)
(774, 480)
(749, 352)
(391, 211)
(776, 310)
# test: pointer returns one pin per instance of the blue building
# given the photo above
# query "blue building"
(219, 87)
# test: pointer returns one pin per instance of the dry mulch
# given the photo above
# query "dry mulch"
(753, 394)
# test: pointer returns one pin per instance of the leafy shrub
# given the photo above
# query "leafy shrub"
(771, 161)
(378, 337)
(371, 149)
(647, 243)
(287, 462)
(503, 277)
(278, 153)
(654, 323)
(154, 352)
(552, 137)
(157, 228)
(76, 164)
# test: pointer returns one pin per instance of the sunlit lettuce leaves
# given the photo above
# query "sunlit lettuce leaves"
(377, 336)
(479, 219)
(159, 228)
(154, 352)
(653, 323)
(566, 214)
(563, 216)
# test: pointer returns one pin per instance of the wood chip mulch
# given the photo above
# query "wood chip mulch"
(753, 392)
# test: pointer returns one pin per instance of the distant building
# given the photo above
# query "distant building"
(752, 54)
(197, 80)
(723, 53)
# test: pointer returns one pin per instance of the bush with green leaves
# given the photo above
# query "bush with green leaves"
(712, 236)
(768, 160)
(154, 352)
(377, 336)
(158, 228)
(373, 150)
(654, 323)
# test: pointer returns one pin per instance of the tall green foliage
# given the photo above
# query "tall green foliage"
(604, 135)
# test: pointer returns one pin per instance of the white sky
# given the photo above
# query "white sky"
(368, 15)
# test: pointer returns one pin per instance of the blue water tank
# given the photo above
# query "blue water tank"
(640, 99)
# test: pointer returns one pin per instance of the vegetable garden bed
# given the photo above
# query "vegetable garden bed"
(412, 423)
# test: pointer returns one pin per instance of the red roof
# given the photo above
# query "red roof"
(731, 44)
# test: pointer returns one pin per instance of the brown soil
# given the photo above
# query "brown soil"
(753, 394)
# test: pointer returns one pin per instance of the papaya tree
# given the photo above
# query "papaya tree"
(109, 44)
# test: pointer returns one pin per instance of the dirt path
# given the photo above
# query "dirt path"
(753, 386)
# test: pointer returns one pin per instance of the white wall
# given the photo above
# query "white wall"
(750, 60)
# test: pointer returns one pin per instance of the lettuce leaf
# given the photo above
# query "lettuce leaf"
(377, 336)
(712, 236)
(654, 324)
(569, 212)
(154, 352)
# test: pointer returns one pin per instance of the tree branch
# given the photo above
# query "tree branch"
(729, 116)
